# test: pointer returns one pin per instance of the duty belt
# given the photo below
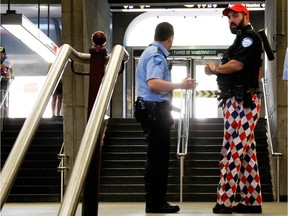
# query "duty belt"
(239, 92)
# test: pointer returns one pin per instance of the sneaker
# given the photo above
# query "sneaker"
(240, 208)
(166, 208)
(221, 209)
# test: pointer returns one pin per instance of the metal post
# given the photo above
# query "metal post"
(181, 177)
(278, 182)
(277, 156)
(97, 66)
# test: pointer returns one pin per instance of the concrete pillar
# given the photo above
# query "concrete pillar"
(276, 26)
(282, 94)
(74, 91)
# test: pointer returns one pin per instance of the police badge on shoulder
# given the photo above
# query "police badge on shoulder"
(247, 41)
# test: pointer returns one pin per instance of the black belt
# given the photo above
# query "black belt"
(145, 111)
(160, 105)
(237, 91)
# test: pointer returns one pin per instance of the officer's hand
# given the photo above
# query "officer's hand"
(189, 83)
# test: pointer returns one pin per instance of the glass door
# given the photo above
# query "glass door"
(180, 70)
(205, 103)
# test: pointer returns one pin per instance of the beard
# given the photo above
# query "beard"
(234, 27)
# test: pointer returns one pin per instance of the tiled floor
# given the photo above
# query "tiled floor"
(132, 209)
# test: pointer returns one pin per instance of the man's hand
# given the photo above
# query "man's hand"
(210, 68)
(188, 83)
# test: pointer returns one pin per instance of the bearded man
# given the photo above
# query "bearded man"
(238, 80)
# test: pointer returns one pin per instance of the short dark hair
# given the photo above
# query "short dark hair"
(163, 31)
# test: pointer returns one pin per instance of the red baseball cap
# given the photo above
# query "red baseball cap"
(236, 8)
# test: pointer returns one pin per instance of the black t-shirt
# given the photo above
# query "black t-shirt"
(247, 48)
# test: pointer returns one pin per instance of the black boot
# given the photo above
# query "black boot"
(166, 208)
(221, 209)
(240, 208)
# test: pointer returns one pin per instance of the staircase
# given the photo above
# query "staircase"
(38, 179)
(123, 161)
(124, 153)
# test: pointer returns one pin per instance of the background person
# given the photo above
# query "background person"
(238, 80)
(285, 69)
(7, 74)
(153, 111)
(57, 98)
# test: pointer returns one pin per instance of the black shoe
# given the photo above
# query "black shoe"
(221, 209)
(166, 208)
(240, 208)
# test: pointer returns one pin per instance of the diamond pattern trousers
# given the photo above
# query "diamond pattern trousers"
(238, 161)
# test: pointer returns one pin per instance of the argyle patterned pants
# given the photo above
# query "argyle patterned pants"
(238, 162)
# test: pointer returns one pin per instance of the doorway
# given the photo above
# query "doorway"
(204, 103)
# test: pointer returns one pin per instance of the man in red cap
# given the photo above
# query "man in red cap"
(238, 80)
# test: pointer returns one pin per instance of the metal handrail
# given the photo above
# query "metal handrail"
(6, 93)
(91, 133)
(23, 141)
(62, 168)
(183, 133)
(277, 155)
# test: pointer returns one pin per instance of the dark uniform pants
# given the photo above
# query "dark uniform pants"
(157, 132)
(238, 161)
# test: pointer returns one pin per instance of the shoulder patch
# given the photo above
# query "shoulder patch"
(158, 60)
(247, 41)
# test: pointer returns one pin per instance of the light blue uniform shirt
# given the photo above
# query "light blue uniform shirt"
(153, 64)
(285, 70)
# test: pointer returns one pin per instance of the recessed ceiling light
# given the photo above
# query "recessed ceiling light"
(189, 6)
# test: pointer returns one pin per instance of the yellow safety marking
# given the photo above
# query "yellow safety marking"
(202, 93)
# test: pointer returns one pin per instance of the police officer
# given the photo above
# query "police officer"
(153, 111)
(238, 79)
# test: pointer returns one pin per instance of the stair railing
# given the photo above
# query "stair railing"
(23, 141)
(274, 154)
(62, 168)
(183, 133)
(91, 133)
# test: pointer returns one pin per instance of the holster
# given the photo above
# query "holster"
(146, 111)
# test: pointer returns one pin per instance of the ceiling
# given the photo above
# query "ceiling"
(172, 4)
(30, 7)
(31, 10)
